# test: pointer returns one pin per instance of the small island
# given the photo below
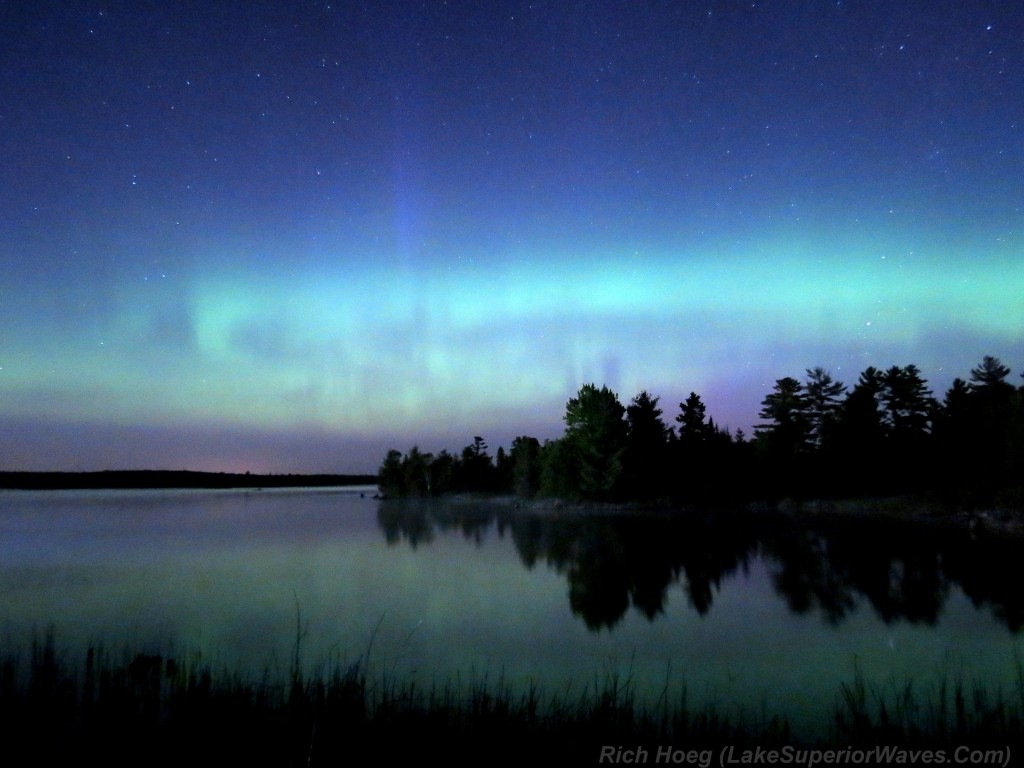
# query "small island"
(886, 443)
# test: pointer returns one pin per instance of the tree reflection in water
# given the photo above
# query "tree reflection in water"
(825, 565)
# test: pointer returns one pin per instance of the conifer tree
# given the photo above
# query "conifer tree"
(596, 430)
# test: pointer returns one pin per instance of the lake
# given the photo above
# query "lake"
(754, 615)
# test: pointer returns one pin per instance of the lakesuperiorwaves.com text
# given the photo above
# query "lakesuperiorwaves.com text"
(807, 758)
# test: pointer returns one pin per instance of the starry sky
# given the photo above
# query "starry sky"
(284, 237)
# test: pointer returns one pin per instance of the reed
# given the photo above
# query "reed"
(948, 710)
(162, 709)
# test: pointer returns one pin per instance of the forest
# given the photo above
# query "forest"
(886, 435)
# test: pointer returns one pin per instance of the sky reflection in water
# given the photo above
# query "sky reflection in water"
(771, 612)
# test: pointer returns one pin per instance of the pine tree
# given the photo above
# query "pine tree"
(647, 439)
(596, 430)
(693, 426)
(788, 428)
(821, 394)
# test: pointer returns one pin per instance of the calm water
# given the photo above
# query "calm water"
(745, 614)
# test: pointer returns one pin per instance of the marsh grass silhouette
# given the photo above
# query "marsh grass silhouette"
(944, 711)
(155, 709)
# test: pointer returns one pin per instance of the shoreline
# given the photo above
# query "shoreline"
(159, 479)
(991, 519)
(987, 520)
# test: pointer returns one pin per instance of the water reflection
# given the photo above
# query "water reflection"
(832, 567)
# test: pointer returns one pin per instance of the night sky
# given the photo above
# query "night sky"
(284, 237)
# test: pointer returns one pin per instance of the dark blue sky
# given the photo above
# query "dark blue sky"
(285, 236)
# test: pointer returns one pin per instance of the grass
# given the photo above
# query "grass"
(153, 709)
(946, 711)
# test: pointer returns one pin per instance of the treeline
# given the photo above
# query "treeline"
(818, 438)
(159, 478)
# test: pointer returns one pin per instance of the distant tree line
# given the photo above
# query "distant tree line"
(817, 438)
(160, 478)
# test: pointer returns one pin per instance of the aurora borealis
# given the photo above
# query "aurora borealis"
(283, 237)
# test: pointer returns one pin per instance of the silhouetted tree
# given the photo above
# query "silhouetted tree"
(596, 429)
(704, 457)
(889, 435)
(559, 476)
(909, 412)
(476, 472)
(416, 472)
(860, 436)
(694, 429)
(909, 405)
(646, 441)
(443, 471)
(784, 438)
(1015, 458)
(785, 407)
(992, 399)
(503, 470)
(821, 395)
(526, 466)
(957, 400)
(991, 375)
(390, 477)
(953, 433)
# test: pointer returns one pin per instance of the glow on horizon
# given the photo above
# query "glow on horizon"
(417, 349)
